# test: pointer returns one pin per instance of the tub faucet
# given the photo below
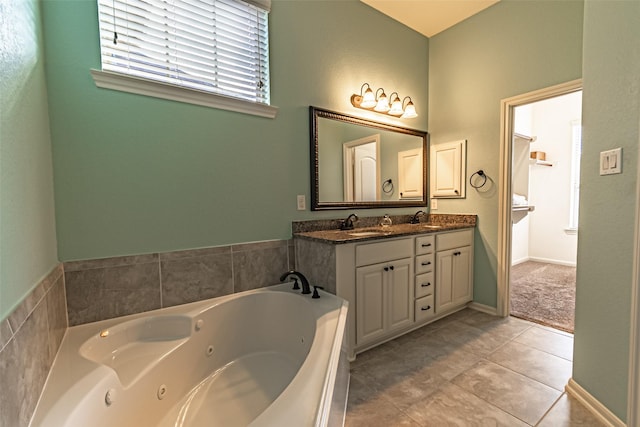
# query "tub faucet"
(347, 224)
(306, 289)
(415, 219)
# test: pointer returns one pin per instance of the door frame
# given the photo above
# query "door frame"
(507, 108)
(633, 398)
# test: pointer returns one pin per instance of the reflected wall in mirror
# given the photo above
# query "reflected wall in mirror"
(358, 163)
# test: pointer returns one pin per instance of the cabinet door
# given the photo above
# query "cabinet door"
(444, 280)
(448, 169)
(453, 278)
(370, 298)
(461, 275)
(400, 291)
(410, 175)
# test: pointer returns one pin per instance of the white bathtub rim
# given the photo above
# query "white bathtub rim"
(70, 370)
(307, 399)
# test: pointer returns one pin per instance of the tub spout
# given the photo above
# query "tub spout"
(306, 289)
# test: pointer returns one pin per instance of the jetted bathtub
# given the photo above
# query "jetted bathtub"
(268, 357)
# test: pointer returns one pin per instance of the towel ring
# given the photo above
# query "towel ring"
(387, 186)
(481, 174)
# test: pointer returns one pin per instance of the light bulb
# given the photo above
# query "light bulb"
(383, 104)
(368, 99)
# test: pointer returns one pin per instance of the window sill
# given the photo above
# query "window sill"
(140, 86)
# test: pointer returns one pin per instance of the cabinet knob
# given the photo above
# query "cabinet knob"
(426, 245)
(386, 269)
(427, 263)
(457, 253)
(424, 285)
(426, 308)
(391, 268)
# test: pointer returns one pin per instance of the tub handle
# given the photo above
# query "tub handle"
(315, 292)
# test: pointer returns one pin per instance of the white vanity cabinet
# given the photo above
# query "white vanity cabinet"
(393, 284)
(454, 270)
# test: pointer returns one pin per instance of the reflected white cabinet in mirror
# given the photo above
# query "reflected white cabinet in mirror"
(358, 163)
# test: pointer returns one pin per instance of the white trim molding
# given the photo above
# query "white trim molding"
(507, 107)
(593, 405)
(483, 308)
(146, 87)
(633, 399)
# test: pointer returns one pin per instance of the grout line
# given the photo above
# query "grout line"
(550, 408)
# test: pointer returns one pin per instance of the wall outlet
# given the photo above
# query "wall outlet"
(611, 161)
(302, 203)
(434, 204)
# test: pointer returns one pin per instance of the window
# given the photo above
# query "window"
(195, 49)
(576, 150)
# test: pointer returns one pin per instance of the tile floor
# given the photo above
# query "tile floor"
(469, 369)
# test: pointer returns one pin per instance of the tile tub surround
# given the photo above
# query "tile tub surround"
(111, 287)
(29, 341)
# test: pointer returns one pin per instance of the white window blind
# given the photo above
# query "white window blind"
(217, 46)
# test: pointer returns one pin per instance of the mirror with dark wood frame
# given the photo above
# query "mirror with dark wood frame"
(359, 163)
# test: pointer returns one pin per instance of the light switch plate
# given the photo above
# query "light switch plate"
(434, 204)
(611, 161)
(302, 203)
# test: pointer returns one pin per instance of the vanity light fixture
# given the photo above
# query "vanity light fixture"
(379, 102)
(367, 99)
(396, 105)
(382, 104)
(409, 109)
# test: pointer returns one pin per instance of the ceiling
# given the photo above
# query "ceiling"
(429, 17)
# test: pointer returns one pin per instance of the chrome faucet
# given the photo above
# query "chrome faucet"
(306, 289)
(415, 219)
(347, 224)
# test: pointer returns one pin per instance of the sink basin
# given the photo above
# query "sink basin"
(365, 233)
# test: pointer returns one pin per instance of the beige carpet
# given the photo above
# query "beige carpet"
(544, 294)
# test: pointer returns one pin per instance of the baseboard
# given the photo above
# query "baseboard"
(552, 261)
(483, 308)
(519, 261)
(593, 405)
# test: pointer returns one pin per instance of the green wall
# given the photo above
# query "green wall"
(508, 49)
(135, 174)
(611, 114)
(27, 225)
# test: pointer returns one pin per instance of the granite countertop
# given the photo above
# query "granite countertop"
(321, 231)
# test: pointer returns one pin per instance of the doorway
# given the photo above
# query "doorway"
(545, 180)
(528, 187)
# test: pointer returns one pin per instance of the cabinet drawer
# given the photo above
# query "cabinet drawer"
(424, 263)
(424, 308)
(424, 284)
(425, 244)
(388, 250)
(456, 239)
